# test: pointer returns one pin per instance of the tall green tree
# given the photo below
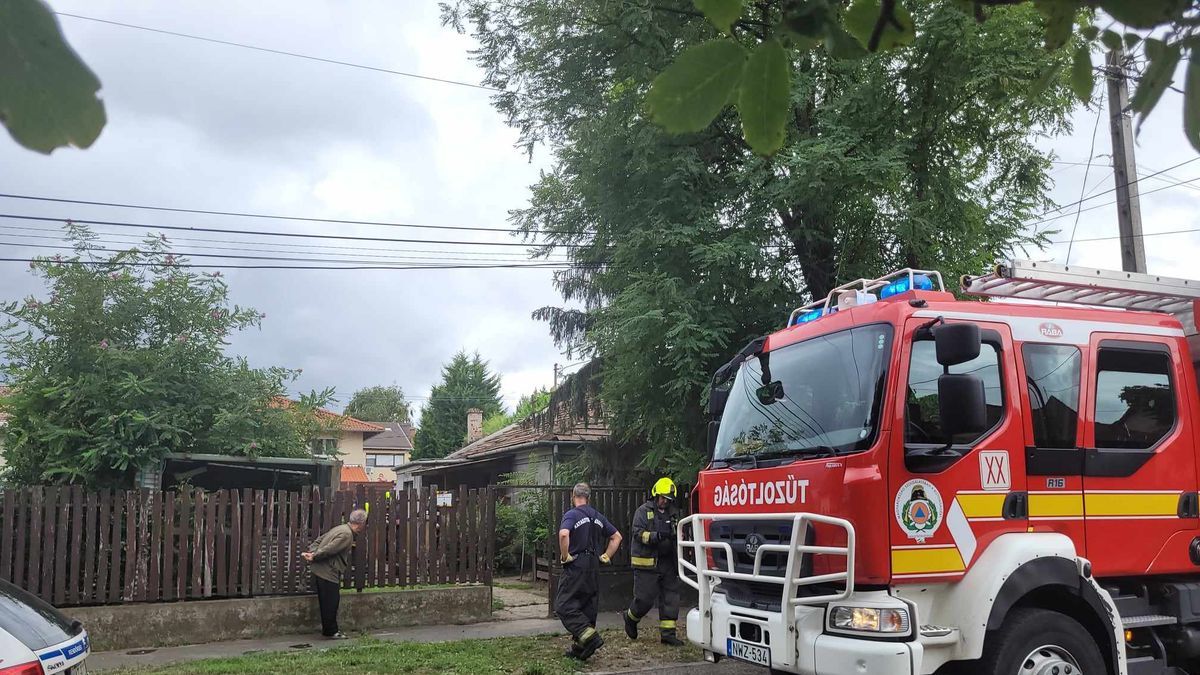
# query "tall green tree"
(123, 361)
(379, 404)
(687, 246)
(466, 383)
(527, 405)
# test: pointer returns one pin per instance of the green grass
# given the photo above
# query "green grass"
(514, 585)
(394, 589)
(497, 604)
(541, 655)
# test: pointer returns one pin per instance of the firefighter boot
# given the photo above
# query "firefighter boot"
(666, 629)
(631, 625)
(589, 642)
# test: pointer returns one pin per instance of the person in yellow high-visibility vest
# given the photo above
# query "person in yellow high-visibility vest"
(655, 571)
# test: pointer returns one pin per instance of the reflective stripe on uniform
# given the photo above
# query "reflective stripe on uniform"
(587, 634)
(641, 562)
(666, 623)
(646, 537)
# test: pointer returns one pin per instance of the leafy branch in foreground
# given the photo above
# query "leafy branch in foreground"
(749, 65)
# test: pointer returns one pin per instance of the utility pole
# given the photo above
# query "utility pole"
(557, 373)
(1129, 209)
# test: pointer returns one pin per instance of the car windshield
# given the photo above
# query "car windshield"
(823, 396)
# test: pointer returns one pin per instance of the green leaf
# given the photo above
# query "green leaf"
(809, 19)
(765, 97)
(1144, 13)
(1163, 60)
(1112, 41)
(1191, 101)
(1132, 40)
(863, 16)
(47, 95)
(1060, 19)
(842, 45)
(1043, 83)
(1082, 81)
(1089, 33)
(721, 13)
(689, 94)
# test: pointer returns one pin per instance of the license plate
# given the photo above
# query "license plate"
(744, 651)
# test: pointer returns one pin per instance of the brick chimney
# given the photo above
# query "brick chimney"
(474, 425)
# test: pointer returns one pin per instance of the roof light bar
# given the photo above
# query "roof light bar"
(900, 281)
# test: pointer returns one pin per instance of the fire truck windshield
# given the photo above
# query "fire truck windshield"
(821, 396)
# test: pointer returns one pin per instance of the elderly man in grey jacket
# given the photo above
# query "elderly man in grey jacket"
(328, 558)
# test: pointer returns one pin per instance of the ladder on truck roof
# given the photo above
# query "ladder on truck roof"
(1050, 282)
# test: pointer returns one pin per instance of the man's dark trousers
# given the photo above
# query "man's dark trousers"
(578, 601)
(329, 596)
(661, 585)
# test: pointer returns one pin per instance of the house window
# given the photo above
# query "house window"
(324, 446)
(384, 460)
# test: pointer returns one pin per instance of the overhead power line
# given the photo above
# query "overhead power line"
(310, 57)
(1114, 189)
(273, 267)
(1143, 235)
(268, 216)
(188, 254)
(265, 233)
(1100, 206)
(1082, 191)
(255, 246)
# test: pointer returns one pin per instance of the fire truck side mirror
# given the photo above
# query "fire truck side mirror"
(956, 343)
(717, 398)
(713, 428)
(962, 406)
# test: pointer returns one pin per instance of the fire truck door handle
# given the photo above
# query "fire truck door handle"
(1016, 506)
(1189, 505)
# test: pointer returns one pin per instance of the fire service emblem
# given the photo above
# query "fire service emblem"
(919, 509)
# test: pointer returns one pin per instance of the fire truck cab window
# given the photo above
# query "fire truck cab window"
(923, 423)
(1052, 376)
(1135, 402)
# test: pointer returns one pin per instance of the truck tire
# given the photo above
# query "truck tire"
(1041, 642)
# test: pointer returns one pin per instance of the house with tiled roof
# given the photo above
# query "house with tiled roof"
(343, 438)
(390, 449)
(535, 447)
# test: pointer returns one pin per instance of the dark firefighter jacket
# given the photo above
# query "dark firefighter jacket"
(653, 535)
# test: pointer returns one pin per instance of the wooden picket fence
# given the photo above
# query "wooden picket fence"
(74, 548)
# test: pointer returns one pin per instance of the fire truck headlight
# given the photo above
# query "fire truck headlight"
(886, 620)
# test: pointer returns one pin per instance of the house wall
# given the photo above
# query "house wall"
(350, 447)
(536, 461)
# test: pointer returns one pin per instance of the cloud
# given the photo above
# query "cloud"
(199, 125)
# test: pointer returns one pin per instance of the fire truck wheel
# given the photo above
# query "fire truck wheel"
(1041, 642)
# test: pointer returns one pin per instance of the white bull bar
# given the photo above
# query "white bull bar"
(700, 544)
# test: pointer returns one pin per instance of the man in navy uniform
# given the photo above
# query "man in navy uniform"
(582, 538)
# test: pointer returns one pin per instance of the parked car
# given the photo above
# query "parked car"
(36, 639)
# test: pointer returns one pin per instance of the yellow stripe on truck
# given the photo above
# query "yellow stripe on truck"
(926, 560)
(1132, 504)
(1055, 506)
(982, 506)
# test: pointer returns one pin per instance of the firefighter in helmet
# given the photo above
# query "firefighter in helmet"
(655, 571)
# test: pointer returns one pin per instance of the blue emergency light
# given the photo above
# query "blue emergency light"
(919, 282)
(811, 315)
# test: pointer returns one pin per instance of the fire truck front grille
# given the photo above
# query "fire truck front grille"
(744, 537)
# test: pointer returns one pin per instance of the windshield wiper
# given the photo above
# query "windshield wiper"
(740, 459)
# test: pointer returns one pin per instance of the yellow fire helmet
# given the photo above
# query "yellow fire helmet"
(664, 487)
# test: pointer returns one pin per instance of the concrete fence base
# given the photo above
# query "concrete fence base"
(117, 627)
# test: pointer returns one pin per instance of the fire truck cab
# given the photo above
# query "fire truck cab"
(904, 482)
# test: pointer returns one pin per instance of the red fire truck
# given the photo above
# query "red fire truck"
(902, 482)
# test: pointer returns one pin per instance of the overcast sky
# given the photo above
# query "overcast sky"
(206, 126)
